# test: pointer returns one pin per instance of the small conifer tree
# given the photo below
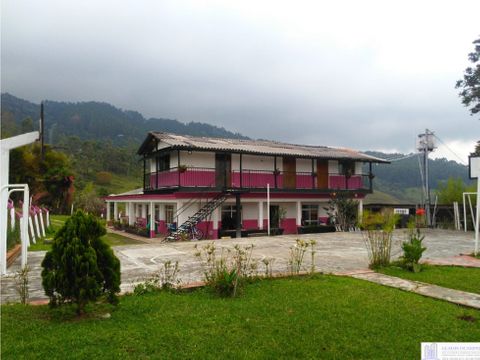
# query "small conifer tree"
(80, 267)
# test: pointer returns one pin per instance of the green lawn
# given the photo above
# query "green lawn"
(322, 317)
(57, 222)
(454, 277)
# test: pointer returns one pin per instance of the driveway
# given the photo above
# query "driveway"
(335, 253)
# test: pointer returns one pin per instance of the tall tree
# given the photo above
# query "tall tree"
(470, 85)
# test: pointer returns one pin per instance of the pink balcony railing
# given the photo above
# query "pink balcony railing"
(251, 179)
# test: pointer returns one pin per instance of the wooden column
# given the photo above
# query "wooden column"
(238, 216)
(178, 166)
(241, 176)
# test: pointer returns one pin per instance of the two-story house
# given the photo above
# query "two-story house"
(220, 185)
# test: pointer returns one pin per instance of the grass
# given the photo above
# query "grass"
(321, 317)
(454, 277)
(57, 222)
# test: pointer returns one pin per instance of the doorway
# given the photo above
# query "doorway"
(223, 168)
(289, 173)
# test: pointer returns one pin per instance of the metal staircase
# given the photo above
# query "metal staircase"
(200, 215)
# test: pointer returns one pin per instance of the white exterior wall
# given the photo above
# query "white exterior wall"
(197, 159)
(358, 168)
(304, 165)
(236, 162)
(250, 210)
(253, 162)
(332, 166)
(153, 165)
(174, 159)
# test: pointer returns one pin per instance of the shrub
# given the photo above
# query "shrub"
(80, 267)
(413, 250)
(226, 273)
(342, 211)
(165, 279)
(103, 177)
(377, 231)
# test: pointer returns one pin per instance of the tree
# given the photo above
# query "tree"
(470, 85)
(80, 267)
(476, 152)
(88, 200)
(452, 190)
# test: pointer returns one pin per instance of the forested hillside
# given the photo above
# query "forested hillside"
(402, 179)
(101, 142)
(97, 121)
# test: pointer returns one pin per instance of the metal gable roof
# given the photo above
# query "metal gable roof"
(259, 147)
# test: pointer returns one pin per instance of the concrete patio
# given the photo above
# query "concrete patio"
(335, 253)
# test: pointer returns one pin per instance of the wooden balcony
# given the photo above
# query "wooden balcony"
(196, 178)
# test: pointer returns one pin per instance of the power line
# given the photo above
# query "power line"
(453, 152)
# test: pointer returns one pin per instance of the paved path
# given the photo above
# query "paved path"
(335, 253)
(434, 291)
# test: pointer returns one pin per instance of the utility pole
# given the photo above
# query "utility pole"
(426, 145)
(42, 132)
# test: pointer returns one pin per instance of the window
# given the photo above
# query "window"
(346, 168)
(309, 215)
(169, 214)
(163, 162)
(229, 217)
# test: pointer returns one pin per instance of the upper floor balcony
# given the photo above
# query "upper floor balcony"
(198, 178)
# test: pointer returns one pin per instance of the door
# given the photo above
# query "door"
(289, 173)
(322, 174)
(274, 216)
(223, 168)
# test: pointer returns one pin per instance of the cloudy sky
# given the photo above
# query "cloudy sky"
(363, 74)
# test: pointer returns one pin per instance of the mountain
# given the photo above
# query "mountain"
(97, 121)
(403, 180)
(119, 132)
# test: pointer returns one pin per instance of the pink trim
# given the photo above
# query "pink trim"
(191, 195)
(152, 233)
(215, 234)
(323, 219)
(207, 228)
(162, 227)
(289, 226)
(338, 182)
(253, 179)
(305, 181)
(250, 224)
(197, 178)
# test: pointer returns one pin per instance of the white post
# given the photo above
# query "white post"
(268, 209)
(42, 227)
(4, 161)
(299, 214)
(24, 225)
(144, 211)
(5, 146)
(152, 220)
(108, 211)
(260, 215)
(30, 225)
(115, 211)
(477, 221)
(12, 217)
(464, 212)
(131, 213)
(35, 220)
(48, 217)
(360, 210)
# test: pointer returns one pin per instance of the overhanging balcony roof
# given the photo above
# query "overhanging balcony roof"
(254, 147)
